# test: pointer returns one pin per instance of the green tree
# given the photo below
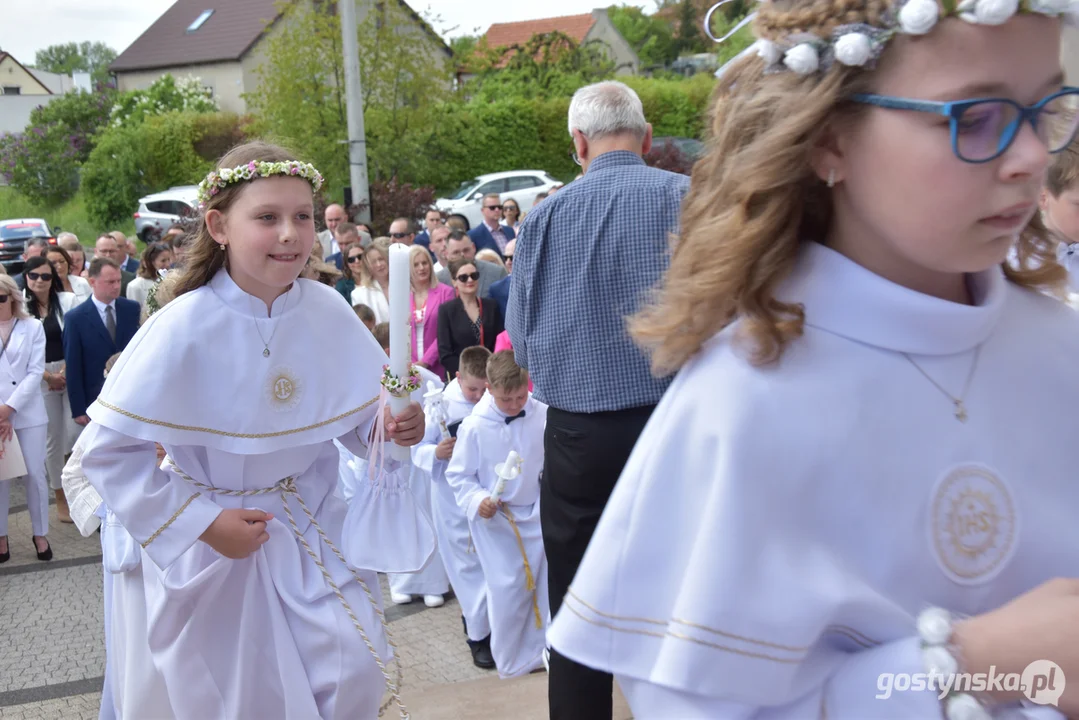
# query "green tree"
(80, 114)
(689, 38)
(652, 38)
(548, 65)
(67, 58)
(300, 97)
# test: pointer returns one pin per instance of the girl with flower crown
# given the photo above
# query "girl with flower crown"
(252, 601)
(863, 476)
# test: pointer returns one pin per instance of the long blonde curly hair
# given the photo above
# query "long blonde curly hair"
(755, 198)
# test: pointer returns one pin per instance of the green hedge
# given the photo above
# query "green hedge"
(165, 150)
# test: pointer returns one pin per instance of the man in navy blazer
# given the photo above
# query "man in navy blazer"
(491, 233)
(94, 331)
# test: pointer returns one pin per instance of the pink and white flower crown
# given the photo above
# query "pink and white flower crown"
(860, 45)
(219, 179)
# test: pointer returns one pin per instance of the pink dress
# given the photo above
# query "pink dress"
(502, 342)
(425, 342)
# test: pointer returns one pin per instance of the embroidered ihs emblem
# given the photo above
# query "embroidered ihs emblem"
(283, 388)
(973, 524)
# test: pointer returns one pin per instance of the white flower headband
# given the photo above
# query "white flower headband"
(219, 179)
(861, 45)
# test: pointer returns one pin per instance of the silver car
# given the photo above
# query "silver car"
(157, 213)
(520, 185)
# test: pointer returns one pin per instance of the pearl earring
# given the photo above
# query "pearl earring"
(221, 248)
(831, 179)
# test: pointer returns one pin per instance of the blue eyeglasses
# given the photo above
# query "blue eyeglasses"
(983, 129)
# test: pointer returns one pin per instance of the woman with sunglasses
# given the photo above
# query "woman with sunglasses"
(373, 283)
(22, 412)
(511, 215)
(350, 269)
(467, 320)
(47, 301)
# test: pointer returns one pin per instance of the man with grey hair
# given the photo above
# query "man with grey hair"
(567, 308)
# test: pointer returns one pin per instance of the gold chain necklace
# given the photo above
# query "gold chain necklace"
(958, 402)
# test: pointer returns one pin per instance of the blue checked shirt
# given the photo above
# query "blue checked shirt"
(586, 259)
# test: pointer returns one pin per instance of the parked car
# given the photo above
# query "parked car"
(13, 237)
(520, 185)
(158, 212)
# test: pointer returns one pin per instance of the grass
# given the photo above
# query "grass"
(69, 217)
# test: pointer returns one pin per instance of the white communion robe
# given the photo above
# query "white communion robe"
(778, 529)
(451, 524)
(204, 636)
(432, 579)
(510, 544)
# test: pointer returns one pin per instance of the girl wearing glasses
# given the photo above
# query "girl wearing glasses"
(467, 320)
(864, 470)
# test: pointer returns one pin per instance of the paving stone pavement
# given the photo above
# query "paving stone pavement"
(52, 652)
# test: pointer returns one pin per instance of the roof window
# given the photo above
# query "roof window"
(200, 20)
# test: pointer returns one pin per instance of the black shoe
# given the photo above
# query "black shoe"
(7, 553)
(45, 554)
(481, 653)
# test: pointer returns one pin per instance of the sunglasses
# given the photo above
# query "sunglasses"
(398, 236)
(355, 258)
(492, 207)
(468, 277)
(4, 299)
(39, 276)
(509, 258)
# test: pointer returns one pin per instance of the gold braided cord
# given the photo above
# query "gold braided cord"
(530, 579)
(245, 436)
(287, 488)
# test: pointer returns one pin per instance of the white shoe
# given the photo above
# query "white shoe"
(433, 601)
(400, 598)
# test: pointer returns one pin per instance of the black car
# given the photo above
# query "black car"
(13, 237)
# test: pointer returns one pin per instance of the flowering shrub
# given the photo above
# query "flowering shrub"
(42, 164)
(166, 94)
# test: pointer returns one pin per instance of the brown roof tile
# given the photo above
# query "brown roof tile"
(230, 32)
(518, 33)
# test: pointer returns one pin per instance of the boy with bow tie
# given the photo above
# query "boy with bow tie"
(506, 525)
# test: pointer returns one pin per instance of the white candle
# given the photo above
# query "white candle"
(504, 471)
(400, 332)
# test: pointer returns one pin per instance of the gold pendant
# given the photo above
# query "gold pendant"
(960, 411)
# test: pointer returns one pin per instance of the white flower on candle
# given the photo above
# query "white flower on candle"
(802, 59)
(919, 16)
(988, 12)
(769, 52)
(854, 49)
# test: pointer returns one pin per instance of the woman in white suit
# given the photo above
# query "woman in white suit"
(22, 412)
(373, 285)
(47, 301)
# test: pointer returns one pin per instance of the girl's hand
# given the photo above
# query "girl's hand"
(407, 428)
(237, 533)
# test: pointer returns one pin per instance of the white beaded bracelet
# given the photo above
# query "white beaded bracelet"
(935, 630)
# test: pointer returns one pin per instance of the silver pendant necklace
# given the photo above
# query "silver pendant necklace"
(958, 402)
(266, 343)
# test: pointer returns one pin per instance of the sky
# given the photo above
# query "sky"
(30, 25)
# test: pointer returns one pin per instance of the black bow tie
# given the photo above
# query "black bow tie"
(515, 417)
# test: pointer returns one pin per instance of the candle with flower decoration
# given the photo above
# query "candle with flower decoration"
(400, 336)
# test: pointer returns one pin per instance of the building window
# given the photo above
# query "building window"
(200, 20)
(12, 90)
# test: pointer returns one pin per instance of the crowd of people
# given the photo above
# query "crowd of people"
(807, 429)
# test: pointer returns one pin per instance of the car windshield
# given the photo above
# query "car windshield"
(22, 231)
(466, 189)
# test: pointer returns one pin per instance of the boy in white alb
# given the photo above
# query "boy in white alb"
(432, 455)
(506, 530)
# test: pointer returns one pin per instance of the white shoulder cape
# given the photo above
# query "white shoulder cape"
(195, 374)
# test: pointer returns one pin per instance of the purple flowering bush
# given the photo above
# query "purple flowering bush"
(41, 164)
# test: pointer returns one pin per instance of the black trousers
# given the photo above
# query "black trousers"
(583, 457)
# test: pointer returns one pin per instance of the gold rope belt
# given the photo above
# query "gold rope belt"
(287, 488)
(530, 579)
